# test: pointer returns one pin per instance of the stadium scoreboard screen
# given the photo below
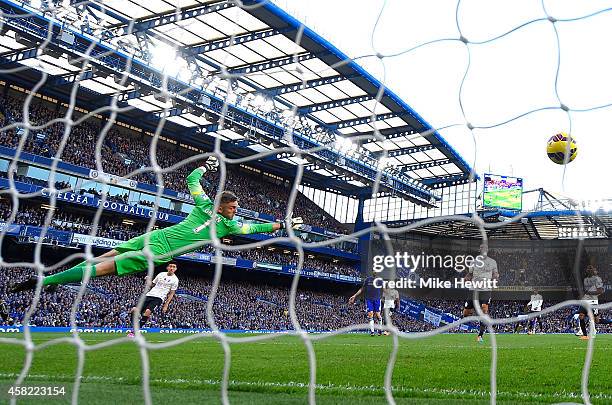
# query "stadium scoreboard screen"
(503, 192)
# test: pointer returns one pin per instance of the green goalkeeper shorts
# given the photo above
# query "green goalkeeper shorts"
(131, 259)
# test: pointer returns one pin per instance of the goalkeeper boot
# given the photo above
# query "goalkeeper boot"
(479, 339)
(26, 285)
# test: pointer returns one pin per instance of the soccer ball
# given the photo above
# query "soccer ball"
(557, 148)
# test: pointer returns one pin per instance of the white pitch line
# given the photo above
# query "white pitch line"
(370, 344)
(321, 387)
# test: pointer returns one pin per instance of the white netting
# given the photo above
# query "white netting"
(70, 120)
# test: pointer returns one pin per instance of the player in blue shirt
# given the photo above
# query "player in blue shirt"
(372, 298)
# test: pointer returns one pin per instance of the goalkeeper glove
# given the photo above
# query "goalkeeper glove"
(296, 223)
(211, 164)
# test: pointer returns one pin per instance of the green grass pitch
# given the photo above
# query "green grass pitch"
(445, 369)
(507, 198)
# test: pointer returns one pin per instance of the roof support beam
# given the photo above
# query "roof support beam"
(172, 112)
(70, 78)
(93, 4)
(554, 220)
(388, 133)
(308, 84)
(173, 16)
(229, 41)
(333, 103)
(446, 181)
(9, 57)
(363, 120)
(405, 151)
(598, 222)
(130, 95)
(268, 64)
(534, 228)
(424, 165)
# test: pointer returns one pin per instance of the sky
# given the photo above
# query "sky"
(507, 77)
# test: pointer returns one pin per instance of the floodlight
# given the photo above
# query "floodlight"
(259, 101)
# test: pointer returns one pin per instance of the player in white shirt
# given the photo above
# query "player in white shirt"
(163, 290)
(535, 305)
(484, 270)
(391, 304)
(593, 288)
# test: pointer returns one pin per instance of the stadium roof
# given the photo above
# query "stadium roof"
(282, 73)
(566, 224)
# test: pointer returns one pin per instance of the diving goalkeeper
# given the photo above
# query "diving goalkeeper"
(167, 243)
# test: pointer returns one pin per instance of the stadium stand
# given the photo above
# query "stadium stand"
(240, 305)
(543, 265)
(110, 227)
(125, 152)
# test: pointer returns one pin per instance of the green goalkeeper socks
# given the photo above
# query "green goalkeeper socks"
(72, 275)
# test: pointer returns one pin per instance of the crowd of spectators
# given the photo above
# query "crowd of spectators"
(122, 153)
(124, 199)
(109, 227)
(239, 305)
(151, 205)
(559, 321)
(31, 214)
(119, 198)
(551, 267)
(59, 185)
(543, 265)
(287, 257)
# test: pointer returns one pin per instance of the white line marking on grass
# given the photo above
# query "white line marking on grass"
(369, 344)
(321, 387)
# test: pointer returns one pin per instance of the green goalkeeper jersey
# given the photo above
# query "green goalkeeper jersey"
(196, 227)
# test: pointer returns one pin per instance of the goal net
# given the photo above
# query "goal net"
(92, 90)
